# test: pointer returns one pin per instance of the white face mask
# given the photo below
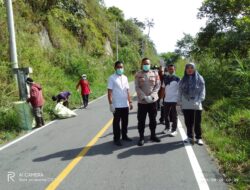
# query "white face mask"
(172, 74)
(168, 74)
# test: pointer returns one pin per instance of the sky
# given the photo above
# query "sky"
(172, 18)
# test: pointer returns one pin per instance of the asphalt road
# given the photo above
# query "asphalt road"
(51, 156)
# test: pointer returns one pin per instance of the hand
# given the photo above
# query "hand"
(179, 103)
(112, 108)
(149, 99)
(131, 106)
(197, 104)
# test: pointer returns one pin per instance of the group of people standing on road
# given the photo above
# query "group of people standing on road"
(151, 87)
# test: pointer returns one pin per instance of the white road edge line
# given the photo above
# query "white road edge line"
(36, 130)
(202, 183)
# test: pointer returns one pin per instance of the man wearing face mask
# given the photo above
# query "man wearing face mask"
(120, 102)
(85, 89)
(147, 85)
(170, 93)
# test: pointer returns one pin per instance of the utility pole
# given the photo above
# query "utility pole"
(19, 74)
(117, 41)
(12, 36)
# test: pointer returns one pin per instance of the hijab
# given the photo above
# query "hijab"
(192, 85)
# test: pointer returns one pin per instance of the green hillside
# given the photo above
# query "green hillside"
(60, 40)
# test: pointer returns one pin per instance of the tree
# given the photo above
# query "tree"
(225, 13)
(42, 5)
(150, 24)
(140, 24)
(116, 13)
(170, 57)
(186, 46)
(228, 27)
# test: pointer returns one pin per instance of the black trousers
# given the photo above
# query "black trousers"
(162, 119)
(143, 110)
(120, 116)
(193, 120)
(85, 99)
(170, 115)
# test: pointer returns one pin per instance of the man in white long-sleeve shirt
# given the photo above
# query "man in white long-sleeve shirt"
(170, 92)
(120, 102)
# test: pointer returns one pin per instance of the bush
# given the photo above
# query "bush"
(8, 120)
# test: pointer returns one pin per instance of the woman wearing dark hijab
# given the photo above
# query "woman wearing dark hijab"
(191, 95)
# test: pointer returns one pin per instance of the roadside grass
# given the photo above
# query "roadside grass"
(73, 46)
(231, 147)
(11, 129)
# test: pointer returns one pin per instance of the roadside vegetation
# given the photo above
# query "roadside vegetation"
(61, 40)
(221, 51)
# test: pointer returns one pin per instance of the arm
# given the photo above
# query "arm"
(129, 98)
(111, 106)
(162, 92)
(77, 86)
(138, 90)
(110, 96)
(33, 93)
(157, 87)
(89, 87)
(130, 101)
(179, 93)
(203, 92)
(69, 94)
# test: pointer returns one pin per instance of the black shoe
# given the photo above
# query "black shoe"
(127, 139)
(118, 143)
(155, 139)
(42, 121)
(39, 122)
(141, 142)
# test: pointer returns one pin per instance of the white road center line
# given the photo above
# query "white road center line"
(202, 183)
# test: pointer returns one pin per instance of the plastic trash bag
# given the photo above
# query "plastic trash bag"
(63, 112)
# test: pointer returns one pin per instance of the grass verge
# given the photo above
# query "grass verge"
(231, 152)
(12, 130)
